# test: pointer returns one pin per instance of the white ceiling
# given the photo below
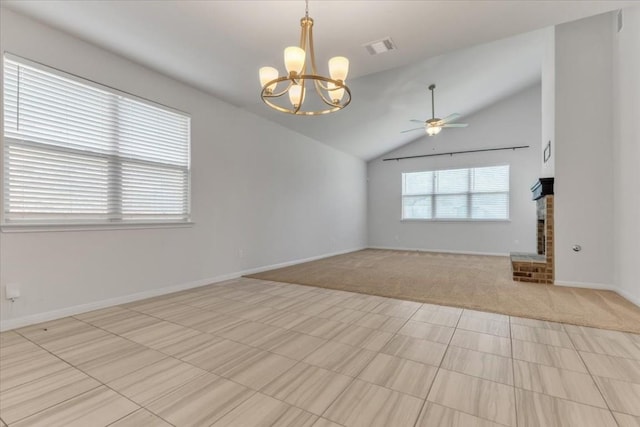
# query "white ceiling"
(218, 46)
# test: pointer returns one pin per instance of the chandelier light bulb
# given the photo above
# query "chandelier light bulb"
(268, 74)
(335, 94)
(339, 68)
(294, 57)
(296, 95)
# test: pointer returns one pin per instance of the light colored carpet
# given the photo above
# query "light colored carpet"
(468, 281)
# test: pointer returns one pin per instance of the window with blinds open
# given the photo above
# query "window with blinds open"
(76, 152)
(457, 194)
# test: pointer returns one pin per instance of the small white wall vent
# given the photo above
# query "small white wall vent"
(619, 20)
(380, 46)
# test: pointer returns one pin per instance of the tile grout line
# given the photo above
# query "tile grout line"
(513, 370)
(444, 354)
(363, 368)
(592, 378)
(101, 384)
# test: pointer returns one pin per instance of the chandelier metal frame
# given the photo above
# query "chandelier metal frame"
(320, 84)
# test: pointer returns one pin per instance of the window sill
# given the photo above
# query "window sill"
(31, 228)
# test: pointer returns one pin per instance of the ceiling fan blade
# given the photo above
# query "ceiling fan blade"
(411, 130)
(454, 125)
(416, 121)
(450, 118)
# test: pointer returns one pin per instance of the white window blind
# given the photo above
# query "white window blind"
(475, 194)
(78, 152)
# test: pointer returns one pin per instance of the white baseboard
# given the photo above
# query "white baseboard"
(446, 251)
(586, 285)
(600, 286)
(32, 319)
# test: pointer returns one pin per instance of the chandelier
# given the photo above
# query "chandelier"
(332, 92)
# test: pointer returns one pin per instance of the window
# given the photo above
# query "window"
(76, 152)
(471, 194)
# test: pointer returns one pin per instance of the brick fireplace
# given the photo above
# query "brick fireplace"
(538, 267)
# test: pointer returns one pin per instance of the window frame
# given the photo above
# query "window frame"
(108, 223)
(469, 194)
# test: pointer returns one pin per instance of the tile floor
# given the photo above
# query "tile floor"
(254, 353)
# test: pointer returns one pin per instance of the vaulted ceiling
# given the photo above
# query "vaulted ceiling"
(477, 52)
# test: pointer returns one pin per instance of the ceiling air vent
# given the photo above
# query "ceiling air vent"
(380, 46)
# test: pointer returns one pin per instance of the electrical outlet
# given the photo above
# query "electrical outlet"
(12, 291)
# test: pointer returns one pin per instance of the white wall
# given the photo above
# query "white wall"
(262, 195)
(548, 104)
(513, 121)
(626, 154)
(583, 152)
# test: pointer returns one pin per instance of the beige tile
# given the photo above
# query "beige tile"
(125, 323)
(215, 323)
(247, 332)
(308, 387)
(200, 402)
(20, 350)
(621, 396)
(561, 383)
(98, 348)
(340, 314)
(141, 418)
(112, 366)
(534, 323)
(535, 409)
(221, 353)
(444, 316)
(399, 374)
(625, 420)
(418, 350)
(151, 382)
(434, 415)
(188, 344)
(341, 358)
(427, 331)
(283, 319)
(485, 315)
(620, 346)
(541, 336)
(482, 342)
(291, 344)
(380, 322)
(482, 398)
(397, 308)
(359, 336)
(264, 411)
(479, 364)
(160, 334)
(9, 338)
(97, 407)
(29, 398)
(367, 405)
(617, 368)
(323, 422)
(20, 369)
(255, 369)
(485, 326)
(558, 357)
(319, 327)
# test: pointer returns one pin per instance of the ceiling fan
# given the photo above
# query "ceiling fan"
(434, 125)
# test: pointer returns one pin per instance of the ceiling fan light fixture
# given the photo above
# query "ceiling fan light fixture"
(302, 76)
(433, 130)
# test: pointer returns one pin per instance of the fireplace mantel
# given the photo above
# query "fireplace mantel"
(542, 187)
